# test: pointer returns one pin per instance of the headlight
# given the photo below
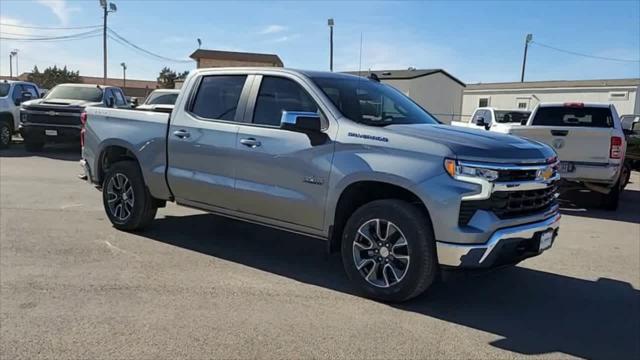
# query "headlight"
(23, 117)
(460, 172)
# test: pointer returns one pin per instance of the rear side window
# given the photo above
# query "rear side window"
(570, 116)
(218, 96)
(120, 100)
(277, 95)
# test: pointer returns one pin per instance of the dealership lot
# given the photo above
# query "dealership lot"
(199, 286)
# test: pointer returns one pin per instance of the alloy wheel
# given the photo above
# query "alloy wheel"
(120, 197)
(381, 253)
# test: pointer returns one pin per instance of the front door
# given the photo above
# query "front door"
(280, 175)
(202, 142)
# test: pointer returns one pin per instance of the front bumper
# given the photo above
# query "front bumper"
(505, 246)
(63, 133)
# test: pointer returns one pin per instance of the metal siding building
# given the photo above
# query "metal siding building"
(622, 93)
(433, 89)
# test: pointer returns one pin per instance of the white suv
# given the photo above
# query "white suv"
(12, 94)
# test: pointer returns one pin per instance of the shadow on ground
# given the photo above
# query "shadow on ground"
(586, 204)
(66, 152)
(533, 311)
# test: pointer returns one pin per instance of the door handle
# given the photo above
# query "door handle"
(559, 132)
(182, 134)
(250, 142)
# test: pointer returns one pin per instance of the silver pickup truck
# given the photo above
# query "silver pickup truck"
(338, 157)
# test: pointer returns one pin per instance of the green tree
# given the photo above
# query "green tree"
(53, 76)
(167, 78)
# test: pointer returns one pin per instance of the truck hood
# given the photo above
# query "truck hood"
(62, 102)
(478, 145)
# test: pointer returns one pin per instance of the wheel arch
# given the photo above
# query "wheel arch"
(360, 192)
(109, 155)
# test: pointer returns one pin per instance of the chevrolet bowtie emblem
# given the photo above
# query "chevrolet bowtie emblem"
(546, 173)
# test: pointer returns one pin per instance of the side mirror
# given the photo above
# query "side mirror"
(300, 121)
(481, 122)
(111, 101)
(25, 96)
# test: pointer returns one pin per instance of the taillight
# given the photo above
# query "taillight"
(615, 151)
(83, 121)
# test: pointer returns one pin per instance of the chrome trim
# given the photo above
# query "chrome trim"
(450, 254)
(525, 185)
(494, 166)
(50, 125)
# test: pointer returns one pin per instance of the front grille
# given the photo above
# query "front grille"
(516, 175)
(53, 120)
(510, 204)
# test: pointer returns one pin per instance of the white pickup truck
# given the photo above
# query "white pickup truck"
(493, 119)
(589, 141)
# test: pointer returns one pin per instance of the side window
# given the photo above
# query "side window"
(120, 100)
(277, 95)
(17, 92)
(488, 116)
(31, 89)
(218, 96)
(107, 94)
(478, 114)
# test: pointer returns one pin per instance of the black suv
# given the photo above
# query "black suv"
(57, 117)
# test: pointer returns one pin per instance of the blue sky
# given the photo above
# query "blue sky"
(476, 41)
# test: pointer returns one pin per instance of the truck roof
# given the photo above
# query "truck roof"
(88, 85)
(307, 73)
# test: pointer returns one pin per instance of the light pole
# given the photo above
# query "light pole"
(107, 9)
(124, 75)
(330, 23)
(13, 54)
(527, 40)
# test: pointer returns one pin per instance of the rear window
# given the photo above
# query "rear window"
(87, 93)
(512, 116)
(161, 99)
(577, 117)
(4, 89)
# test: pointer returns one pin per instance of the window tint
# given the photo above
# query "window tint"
(31, 89)
(88, 93)
(277, 95)
(218, 96)
(4, 89)
(512, 116)
(17, 91)
(485, 114)
(570, 116)
(161, 99)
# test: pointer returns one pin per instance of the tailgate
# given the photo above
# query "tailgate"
(582, 144)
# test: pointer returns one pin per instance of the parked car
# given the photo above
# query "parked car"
(590, 143)
(56, 117)
(12, 94)
(631, 128)
(160, 97)
(493, 119)
(400, 195)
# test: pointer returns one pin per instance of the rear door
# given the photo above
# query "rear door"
(576, 133)
(202, 141)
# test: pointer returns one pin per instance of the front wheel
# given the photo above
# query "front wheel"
(5, 134)
(125, 197)
(388, 250)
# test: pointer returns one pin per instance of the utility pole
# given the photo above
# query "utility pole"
(15, 55)
(106, 9)
(527, 40)
(11, 64)
(330, 23)
(124, 75)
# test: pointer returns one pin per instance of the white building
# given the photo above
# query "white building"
(623, 93)
(433, 89)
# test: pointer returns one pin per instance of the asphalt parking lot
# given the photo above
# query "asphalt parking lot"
(199, 286)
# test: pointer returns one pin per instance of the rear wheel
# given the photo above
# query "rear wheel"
(125, 197)
(625, 175)
(610, 201)
(388, 250)
(5, 134)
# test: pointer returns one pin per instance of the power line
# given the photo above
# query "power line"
(583, 55)
(51, 28)
(77, 36)
(123, 41)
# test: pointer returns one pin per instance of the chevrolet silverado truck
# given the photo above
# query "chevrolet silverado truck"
(589, 141)
(56, 117)
(12, 94)
(333, 156)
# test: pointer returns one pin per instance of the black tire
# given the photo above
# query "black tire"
(144, 208)
(415, 226)
(610, 201)
(625, 176)
(6, 131)
(33, 146)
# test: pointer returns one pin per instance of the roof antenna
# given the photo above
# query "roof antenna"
(360, 62)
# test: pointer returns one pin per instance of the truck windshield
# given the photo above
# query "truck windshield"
(4, 89)
(512, 116)
(372, 103)
(161, 99)
(573, 116)
(93, 94)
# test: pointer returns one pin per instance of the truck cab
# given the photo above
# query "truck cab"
(12, 95)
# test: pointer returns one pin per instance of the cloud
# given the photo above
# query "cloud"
(60, 9)
(273, 29)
